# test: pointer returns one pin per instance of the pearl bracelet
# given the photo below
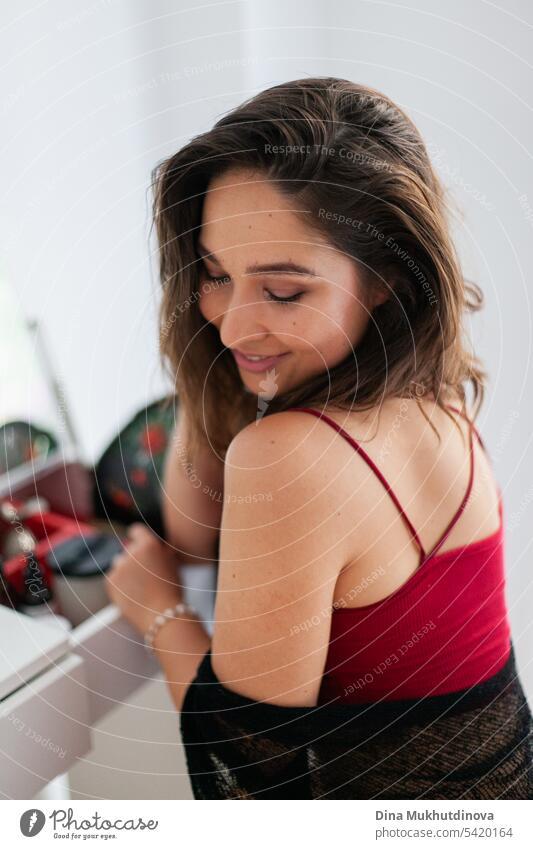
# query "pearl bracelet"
(168, 614)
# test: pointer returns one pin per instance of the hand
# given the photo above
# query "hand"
(143, 579)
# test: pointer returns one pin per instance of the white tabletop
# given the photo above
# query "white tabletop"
(28, 646)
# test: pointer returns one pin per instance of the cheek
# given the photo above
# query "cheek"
(333, 329)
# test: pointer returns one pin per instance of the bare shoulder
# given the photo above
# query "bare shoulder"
(280, 556)
(288, 438)
(301, 458)
(277, 462)
(280, 437)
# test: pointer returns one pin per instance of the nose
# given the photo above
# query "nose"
(243, 321)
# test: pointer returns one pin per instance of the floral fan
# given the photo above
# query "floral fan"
(129, 474)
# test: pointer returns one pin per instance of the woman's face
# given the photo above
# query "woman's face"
(256, 251)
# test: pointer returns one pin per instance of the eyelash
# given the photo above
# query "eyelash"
(291, 300)
(271, 297)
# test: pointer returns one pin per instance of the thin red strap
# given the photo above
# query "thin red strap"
(472, 425)
(481, 442)
(372, 465)
(466, 496)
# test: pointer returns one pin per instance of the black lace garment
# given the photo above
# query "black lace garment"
(472, 744)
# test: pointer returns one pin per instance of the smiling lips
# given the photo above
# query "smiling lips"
(255, 362)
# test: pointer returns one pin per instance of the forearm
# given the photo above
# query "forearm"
(179, 646)
(184, 557)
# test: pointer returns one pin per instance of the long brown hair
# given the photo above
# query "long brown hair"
(353, 158)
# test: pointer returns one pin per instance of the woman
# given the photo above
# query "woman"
(312, 316)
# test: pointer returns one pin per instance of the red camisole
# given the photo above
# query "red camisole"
(445, 629)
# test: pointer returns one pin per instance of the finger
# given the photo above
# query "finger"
(137, 530)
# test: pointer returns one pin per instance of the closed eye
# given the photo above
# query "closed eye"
(289, 300)
(277, 299)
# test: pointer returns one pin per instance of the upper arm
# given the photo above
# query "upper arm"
(192, 498)
(280, 557)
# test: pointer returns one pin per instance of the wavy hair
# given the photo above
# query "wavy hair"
(357, 164)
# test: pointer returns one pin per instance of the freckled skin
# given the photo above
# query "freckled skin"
(246, 220)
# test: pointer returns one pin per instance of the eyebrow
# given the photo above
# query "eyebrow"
(287, 267)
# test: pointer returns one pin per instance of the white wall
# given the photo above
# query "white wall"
(96, 93)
